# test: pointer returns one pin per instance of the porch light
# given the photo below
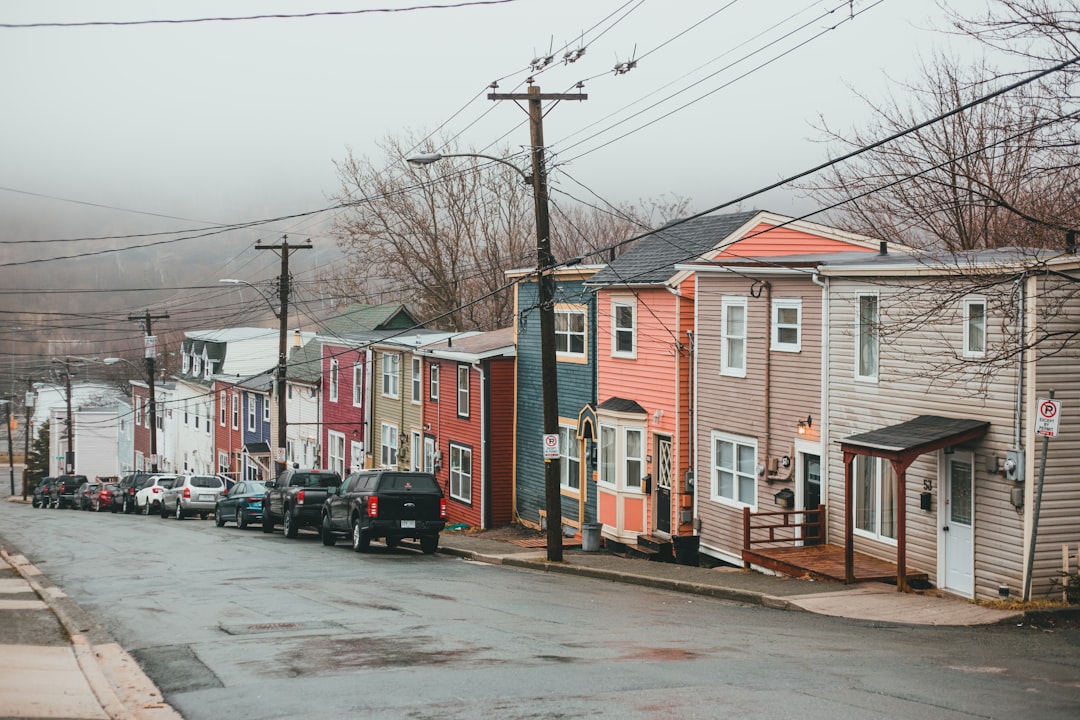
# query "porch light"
(805, 425)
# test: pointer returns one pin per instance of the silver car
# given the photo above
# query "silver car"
(192, 494)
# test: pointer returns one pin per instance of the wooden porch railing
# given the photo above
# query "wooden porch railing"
(783, 530)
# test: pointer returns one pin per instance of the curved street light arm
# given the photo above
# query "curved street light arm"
(236, 281)
(429, 158)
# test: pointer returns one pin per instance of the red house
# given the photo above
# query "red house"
(468, 425)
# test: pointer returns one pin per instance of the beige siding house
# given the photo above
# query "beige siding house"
(934, 373)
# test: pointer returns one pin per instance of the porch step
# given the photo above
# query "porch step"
(660, 546)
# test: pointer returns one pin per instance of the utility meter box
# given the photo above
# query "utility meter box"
(1014, 465)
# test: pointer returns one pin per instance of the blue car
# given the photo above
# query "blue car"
(241, 504)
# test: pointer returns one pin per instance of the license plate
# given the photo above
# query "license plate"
(206, 498)
(408, 524)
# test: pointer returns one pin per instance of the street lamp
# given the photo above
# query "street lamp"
(545, 262)
(237, 281)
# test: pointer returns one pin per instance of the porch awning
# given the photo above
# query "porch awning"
(257, 448)
(900, 444)
(908, 440)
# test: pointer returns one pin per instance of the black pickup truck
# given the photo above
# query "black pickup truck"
(65, 491)
(386, 504)
(296, 498)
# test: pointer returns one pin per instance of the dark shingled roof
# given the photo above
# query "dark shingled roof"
(652, 260)
(621, 405)
(922, 434)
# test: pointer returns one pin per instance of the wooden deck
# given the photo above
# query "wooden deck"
(825, 562)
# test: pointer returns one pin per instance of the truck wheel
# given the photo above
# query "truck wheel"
(429, 544)
(289, 524)
(361, 541)
(268, 522)
(327, 534)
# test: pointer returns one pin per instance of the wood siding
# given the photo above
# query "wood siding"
(401, 412)
(500, 441)
(342, 415)
(737, 405)
(766, 240)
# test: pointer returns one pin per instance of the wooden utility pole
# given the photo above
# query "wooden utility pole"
(283, 338)
(545, 264)
(150, 352)
(29, 408)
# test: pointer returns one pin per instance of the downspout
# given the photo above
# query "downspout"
(768, 373)
(680, 488)
(824, 393)
(692, 337)
(484, 479)
(1021, 340)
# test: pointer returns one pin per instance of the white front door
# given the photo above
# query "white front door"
(959, 506)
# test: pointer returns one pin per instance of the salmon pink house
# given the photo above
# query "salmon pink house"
(646, 344)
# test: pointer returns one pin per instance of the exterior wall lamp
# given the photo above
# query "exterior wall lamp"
(805, 425)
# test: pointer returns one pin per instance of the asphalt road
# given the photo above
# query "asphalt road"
(234, 623)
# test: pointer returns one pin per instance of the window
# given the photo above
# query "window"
(389, 446)
(223, 405)
(186, 412)
(335, 452)
(460, 473)
(607, 455)
(266, 409)
(195, 367)
(357, 385)
(333, 380)
(416, 447)
(733, 336)
(875, 497)
(429, 454)
(463, 391)
(356, 455)
(252, 409)
(635, 457)
(138, 411)
(236, 411)
(187, 363)
(974, 327)
(569, 333)
(433, 383)
(623, 329)
(569, 459)
(866, 338)
(391, 371)
(786, 325)
(417, 378)
(734, 469)
(223, 463)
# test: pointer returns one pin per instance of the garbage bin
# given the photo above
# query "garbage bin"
(590, 536)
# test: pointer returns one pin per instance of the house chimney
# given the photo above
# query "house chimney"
(1070, 242)
(883, 248)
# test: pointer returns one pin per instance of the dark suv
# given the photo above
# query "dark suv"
(65, 490)
(389, 504)
(43, 493)
(129, 485)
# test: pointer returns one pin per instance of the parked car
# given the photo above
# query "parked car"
(129, 485)
(295, 499)
(149, 497)
(42, 493)
(192, 494)
(104, 497)
(85, 491)
(65, 491)
(242, 504)
(388, 504)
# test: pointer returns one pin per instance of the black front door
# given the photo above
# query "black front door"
(663, 483)
(811, 473)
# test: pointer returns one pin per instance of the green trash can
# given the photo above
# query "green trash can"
(590, 536)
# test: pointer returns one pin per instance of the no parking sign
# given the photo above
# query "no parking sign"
(551, 447)
(1046, 422)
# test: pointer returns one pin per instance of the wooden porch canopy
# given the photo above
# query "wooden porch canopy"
(900, 445)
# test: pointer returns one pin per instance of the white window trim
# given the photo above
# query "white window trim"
(429, 454)
(393, 379)
(627, 459)
(388, 431)
(568, 310)
(881, 466)
(725, 361)
(335, 451)
(187, 364)
(416, 451)
(223, 400)
(568, 441)
(357, 385)
(615, 329)
(252, 411)
(786, 304)
(858, 338)
(266, 409)
(464, 493)
(463, 391)
(236, 411)
(714, 485)
(356, 455)
(433, 382)
(968, 302)
(612, 482)
(417, 380)
(334, 380)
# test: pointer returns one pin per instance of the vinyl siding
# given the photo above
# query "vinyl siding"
(342, 416)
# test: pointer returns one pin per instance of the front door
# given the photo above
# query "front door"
(811, 493)
(663, 483)
(957, 529)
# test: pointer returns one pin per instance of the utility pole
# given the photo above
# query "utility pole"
(151, 354)
(283, 340)
(545, 263)
(10, 444)
(28, 407)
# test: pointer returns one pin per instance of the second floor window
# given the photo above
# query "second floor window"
(866, 338)
(391, 374)
(223, 404)
(417, 378)
(623, 330)
(357, 385)
(252, 409)
(570, 333)
(786, 325)
(733, 336)
(236, 411)
(463, 391)
(974, 327)
(433, 379)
